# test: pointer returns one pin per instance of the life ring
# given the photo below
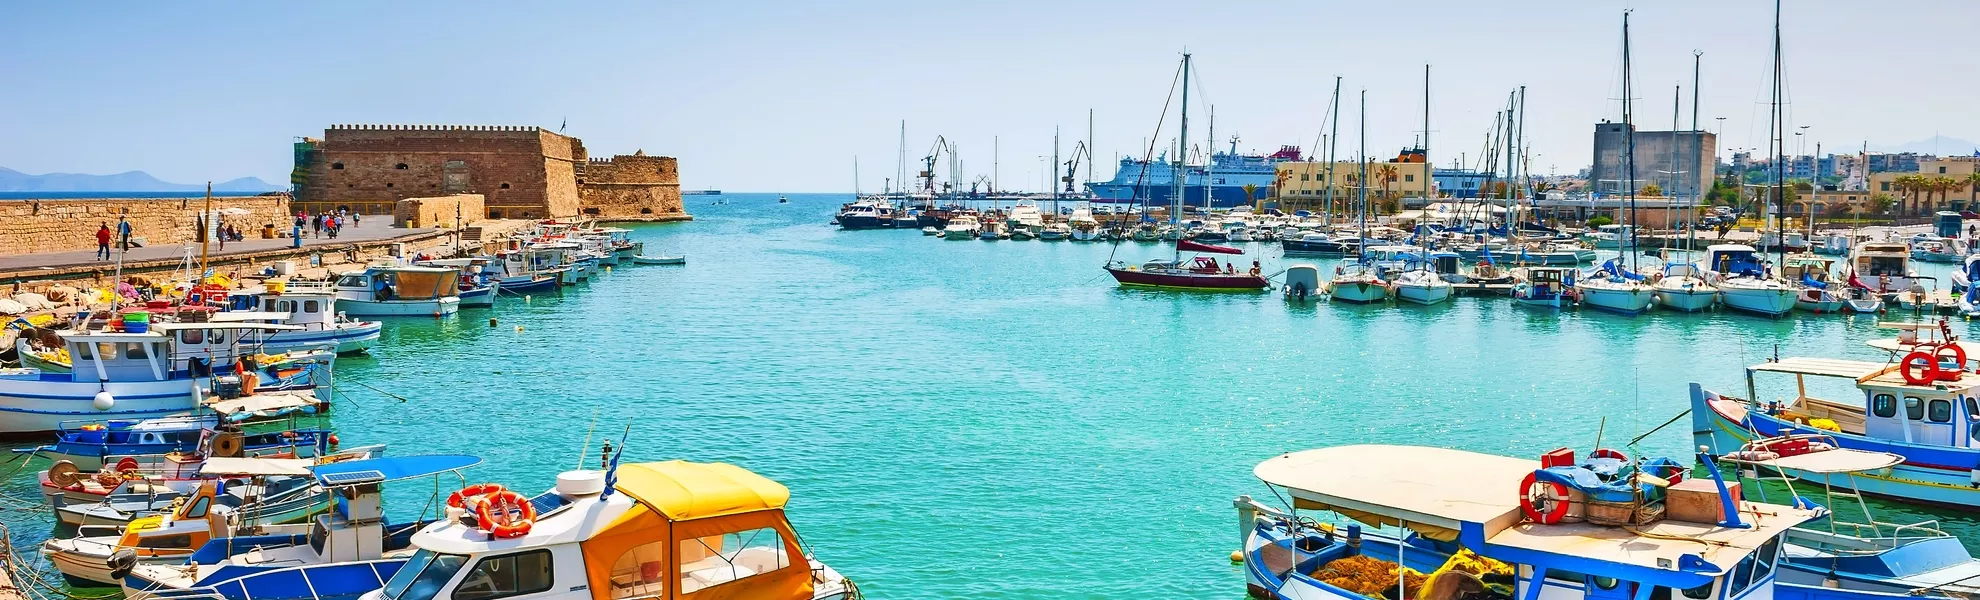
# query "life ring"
(504, 514)
(1927, 368)
(459, 498)
(1958, 358)
(127, 464)
(226, 444)
(1545, 508)
(1609, 453)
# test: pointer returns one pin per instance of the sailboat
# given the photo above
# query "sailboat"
(1360, 282)
(1201, 272)
(1614, 287)
(1683, 286)
(1419, 283)
(1747, 284)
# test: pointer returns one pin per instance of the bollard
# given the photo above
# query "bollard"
(491, 321)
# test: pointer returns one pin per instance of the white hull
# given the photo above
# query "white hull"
(399, 308)
(1425, 294)
(345, 338)
(28, 406)
(1626, 300)
(88, 559)
(1687, 298)
(1085, 236)
(1772, 302)
(1823, 305)
(1358, 291)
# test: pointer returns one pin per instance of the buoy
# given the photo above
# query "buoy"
(103, 401)
(491, 321)
(1237, 556)
(518, 329)
(525, 299)
(333, 439)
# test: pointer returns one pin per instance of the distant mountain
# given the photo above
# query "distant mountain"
(131, 181)
(1938, 144)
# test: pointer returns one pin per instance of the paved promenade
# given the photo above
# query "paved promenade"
(377, 230)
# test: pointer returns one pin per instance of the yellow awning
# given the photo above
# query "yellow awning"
(683, 490)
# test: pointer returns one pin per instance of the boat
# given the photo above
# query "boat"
(647, 530)
(1968, 272)
(961, 227)
(1055, 231)
(1934, 249)
(343, 553)
(1616, 289)
(1834, 244)
(1610, 237)
(1358, 283)
(1024, 221)
(1021, 233)
(1819, 292)
(1484, 526)
(1882, 267)
(991, 231)
(309, 305)
(1684, 288)
(1302, 282)
(86, 445)
(168, 474)
(159, 371)
(1917, 408)
(1409, 274)
(391, 290)
(1200, 273)
(1864, 301)
(478, 287)
(1155, 181)
(1745, 284)
(1084, 227)
(905, 219)
(277, 491)
(1318, 242)
(866, 214)
(660, 260)
(1551, 287)
(930, 230)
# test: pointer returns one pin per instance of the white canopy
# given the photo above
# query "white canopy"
(256, 466)
(1431, 490)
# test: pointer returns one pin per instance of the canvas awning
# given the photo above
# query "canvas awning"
(683, 490)
(1821, 367)
(1828, 462)
(255, 466)
(1433, 491)
(267, 403)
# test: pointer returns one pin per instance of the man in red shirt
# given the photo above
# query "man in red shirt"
(103, 241)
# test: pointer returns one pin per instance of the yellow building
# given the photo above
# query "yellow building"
(1304, 184)
(1937, 185)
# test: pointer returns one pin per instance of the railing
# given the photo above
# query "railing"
(311, 285)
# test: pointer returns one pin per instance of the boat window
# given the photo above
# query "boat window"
(137, 350)
(1914, 408)
(198, 508)
(310, 306)
(106, 350)
(505, 576)
(1703, 592)
(165, 541)
(1883, 405)
(714, 560)
(1607, 583)
(353, 281)
(641, 572)
(268, 305)
(1939, 410)
(193, 336)
(422, 575)
(1567, 576)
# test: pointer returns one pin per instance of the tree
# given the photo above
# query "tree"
(1908, 186)
(1972, 189)
(1881, 203)
(1651, 190)
(1600, 220)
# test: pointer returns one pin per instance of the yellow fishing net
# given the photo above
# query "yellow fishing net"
(1367, 576)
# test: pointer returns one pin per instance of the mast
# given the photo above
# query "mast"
(1427, 169)
(1774, 116)
(1629, 158)
(996, 155)
(1055, 168)
(1677, 173)
(1182, 156)
(855, 178)
(1332, 143)
(1089, 154)
(1519, 137)
(901, 168)
(1361, 187)
(1691, 221)
(205, 238)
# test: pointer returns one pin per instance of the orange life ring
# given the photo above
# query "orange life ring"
(1609, 453)
(1958, 359)
(504, 514)
(127, 464)
(1927, 367)
(459, 498)
(1543, 509)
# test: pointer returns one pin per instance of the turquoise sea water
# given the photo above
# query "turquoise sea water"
(998, 419)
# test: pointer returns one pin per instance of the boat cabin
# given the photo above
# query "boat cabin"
(1895, 404)
(389, 283)
(1505, 528)
(1735, 260)
(1808, 269)
(1884, 266)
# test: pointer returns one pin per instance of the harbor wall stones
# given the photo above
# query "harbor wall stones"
(66, 224)
(521, 172)
(440, 211)
(633, 187)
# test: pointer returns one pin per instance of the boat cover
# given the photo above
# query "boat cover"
(222, 465)
(1432, 491)
(394, 468)
(1609, 479)
(1826, 462)
(1193, 246)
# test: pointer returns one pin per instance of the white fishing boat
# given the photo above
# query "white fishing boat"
(391, 290)
(1543, 286)
(1084, 227)
(961, 227)
(1357, 283)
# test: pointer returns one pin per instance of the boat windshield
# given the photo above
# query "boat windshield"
(423, 576)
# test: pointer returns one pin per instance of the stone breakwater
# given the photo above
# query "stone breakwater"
(60, 225)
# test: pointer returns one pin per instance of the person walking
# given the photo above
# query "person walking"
(330, 225)
(124, 232)
(316, 225)
(220, 231)
(103, 241)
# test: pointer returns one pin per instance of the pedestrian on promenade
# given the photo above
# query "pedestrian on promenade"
(103, 241)
(316, 225)
(124, 232)
(220, 231)
(354, 219)
(330, 225)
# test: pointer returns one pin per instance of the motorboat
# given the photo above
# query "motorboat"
(1358, 283)
(992, 230)
(659, 260)
(1609, 237)
(1820, 292)
(87, 445)
(1796, 242)
(1201, 273)
(1317, 242)
(478, 287)
(1302, 282)
(905, 219)
(1968, 272)
(1055, 231)
(1685, 288)
(1084, 227)
(930, 230)
(1744, 281)
(1616, 289)
(1551, 287)
(309, 305)
(1882, 267)
(866, 214)
(392, 290)
(961, 227)
(1486, 526)
(1834, 244)
(1934, 249)
(62, 484)
(274, 491)
(1408, 272)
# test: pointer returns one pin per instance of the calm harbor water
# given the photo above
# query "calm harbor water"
(998, 419)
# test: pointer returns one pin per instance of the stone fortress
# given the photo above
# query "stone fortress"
(519, 172)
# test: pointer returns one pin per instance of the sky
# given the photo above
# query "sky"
(783, 96)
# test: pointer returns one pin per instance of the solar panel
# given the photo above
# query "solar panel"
(353, 477)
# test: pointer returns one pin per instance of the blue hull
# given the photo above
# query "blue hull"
(1223, 196)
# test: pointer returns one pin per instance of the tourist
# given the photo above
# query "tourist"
(124, 232)
(220, 231)
(354, 218)
(103, 241)
(316, 225)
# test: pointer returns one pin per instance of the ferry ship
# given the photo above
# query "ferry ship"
(1223, 179)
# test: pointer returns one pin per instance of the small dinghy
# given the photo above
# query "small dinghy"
(660, 260)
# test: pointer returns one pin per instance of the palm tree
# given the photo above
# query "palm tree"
(1907, 186)
(1972, 189)
(1387, 174)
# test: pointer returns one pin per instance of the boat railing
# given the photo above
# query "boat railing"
(311, 285)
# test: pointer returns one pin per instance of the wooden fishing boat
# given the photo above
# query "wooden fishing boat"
(659, 260)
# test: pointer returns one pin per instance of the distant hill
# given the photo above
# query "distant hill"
(1938, 144)
(131, 181)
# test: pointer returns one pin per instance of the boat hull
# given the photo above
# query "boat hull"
(343, 338)
(1358, 292)
(400, 308)
(1760, 301)
(480, 297)
(1423, 294)
(516, 286)
(1693, 299)
(35, 406)
(1193, 281)
(1937, 475)
(863, 222)
(1628, 301)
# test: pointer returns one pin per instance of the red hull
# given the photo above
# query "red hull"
(1192, 281)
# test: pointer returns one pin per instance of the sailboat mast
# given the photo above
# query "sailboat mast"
(1629, 157)
(1361, 182)
(1519, 136)
(1427, 169)
(1210, 167)
(1181, 168)
(1089, 152)
(1055, 169)
(1776, 124)
(900, 168)
(1333, 142)
(1697, 150)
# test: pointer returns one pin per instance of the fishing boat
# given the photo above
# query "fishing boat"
(1302, 282)
(1200, 273)
(1084, 227)
(167, 474)
(309, 305)
(1819, 290)
(159, 371)
(866, 214)
(1684, 288)
(347, 551)
(268, 491)
(649, 530)
(992, 230)
(87, 445)
(1745, 284)
(1616, 289)
(961, 227)
(1917, 408)
(391, 290)
(1882, 267)
(1483, 526)
(1551, 287)
(659, 260)
(478, 287)
(1934, 249)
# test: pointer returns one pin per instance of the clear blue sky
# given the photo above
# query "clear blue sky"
(780, 96)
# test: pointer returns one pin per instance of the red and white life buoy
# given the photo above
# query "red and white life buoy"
(461, 498)
(1543, 502)
(504, 514)
(1609, 453)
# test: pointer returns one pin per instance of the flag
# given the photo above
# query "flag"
(612, 466)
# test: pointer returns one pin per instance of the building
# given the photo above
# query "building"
(1678, 162)
(1948, 184)
(521, 172)
(1459, 183)
(1742, 161)
(1305, 184)
(1901, 162)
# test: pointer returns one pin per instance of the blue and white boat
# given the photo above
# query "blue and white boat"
(478, 286)
(264, 491)
(1912, 409)
(1746, 283)
(128, 376)
(399, 291)
(87, 444)
(524, 271)
(349, 550)
(1222, 181)
(309, 305)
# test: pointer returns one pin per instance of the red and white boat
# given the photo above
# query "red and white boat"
(1200, 273)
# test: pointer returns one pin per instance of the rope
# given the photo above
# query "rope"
(383, 392)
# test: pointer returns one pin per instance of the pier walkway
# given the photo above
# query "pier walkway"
(368, 233)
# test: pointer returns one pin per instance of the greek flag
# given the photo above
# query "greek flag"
(612, 472)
